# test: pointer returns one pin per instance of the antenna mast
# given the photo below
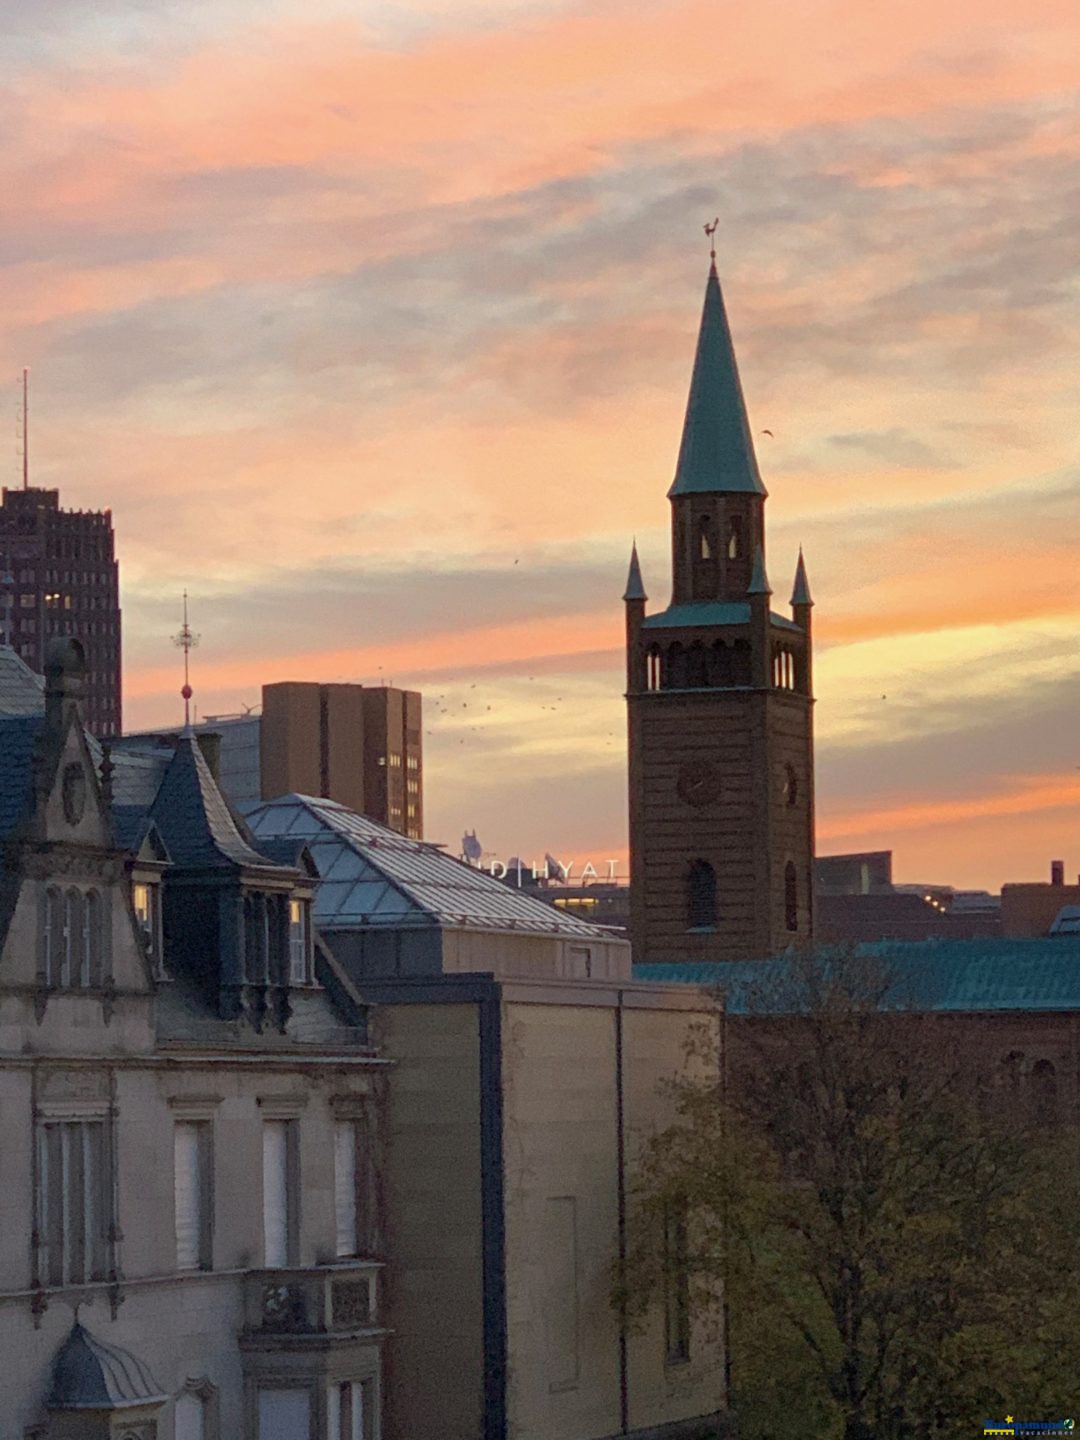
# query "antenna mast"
(25, 428)
(186, 641)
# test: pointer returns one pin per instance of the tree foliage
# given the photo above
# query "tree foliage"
(892, 1233)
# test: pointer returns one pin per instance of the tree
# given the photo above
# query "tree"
(885, 1228)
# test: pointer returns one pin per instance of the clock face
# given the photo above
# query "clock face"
(699, 782)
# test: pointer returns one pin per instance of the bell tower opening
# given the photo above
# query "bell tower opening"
(720, 702)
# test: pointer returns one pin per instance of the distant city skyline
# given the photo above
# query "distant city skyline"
(374, 333)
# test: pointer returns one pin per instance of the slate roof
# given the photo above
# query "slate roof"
(717, 452)
(18, 736)
(709, 612)
(22, 692)
(196, 824)
(372, 877)
(87, 1374)
(949, 976)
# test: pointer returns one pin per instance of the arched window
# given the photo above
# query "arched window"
(1012, 1069)
(90, 960)
(705, 545)
(791, 896)
(53, 937)
(71, 958)
(697, 667)
(652, 668)
(791, 785)
(1044, 1091)
(734, 541)
(675, 668)
(701, 896)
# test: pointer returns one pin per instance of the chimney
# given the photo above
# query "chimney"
(1057, 872)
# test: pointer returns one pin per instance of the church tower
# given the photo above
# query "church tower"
(720, 701)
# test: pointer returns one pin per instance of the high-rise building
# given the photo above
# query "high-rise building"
(358, 745)
(60, 577)
(720, 703)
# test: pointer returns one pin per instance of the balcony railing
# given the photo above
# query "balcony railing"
(323, 1300)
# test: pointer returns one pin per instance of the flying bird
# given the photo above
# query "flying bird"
(769, 433)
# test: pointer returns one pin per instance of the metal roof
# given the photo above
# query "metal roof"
(957, 976)
(709, 612)
(18, 739)
(87, 1374)
(22, 692)
(717, 452)
(194, 820)
(372, 877)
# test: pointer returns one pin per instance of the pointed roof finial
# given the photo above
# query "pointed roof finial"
(800, 594)
(759, 581)
(716, 456)
(710, 231)
(186, 641)
(635, 588)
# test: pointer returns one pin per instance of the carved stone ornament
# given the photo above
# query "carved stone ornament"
(73, 792)
(282, 1308)
(351, 1303)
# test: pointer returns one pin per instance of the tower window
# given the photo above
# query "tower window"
(701, 896)
(791, 785)
(735, 538)
(791, 896)
(652, 668)
(705, 544)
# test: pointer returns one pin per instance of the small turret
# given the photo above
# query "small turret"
(802, 606)
(634, 599)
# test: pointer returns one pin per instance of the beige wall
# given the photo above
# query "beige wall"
(536, 956)
(432, 1202)
(560, 1096)
(181, 1325)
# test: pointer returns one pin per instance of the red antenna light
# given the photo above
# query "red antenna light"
(186, 641)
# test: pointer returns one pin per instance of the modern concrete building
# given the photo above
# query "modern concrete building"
(720, 703)
(59, 576)
(359, 745)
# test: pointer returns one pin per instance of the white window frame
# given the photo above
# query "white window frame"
(280, 1191)
(193, 1143)
(300, 968)
(74, 1221)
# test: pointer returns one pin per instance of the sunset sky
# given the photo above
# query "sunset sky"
(373, 325)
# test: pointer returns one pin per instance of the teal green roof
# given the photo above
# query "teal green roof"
(800, 594)
(948, 976)
(717, 452)
(759, 581)
(709, 612)
(635, 587)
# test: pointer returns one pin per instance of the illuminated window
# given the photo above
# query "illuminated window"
(146, 899)
(299, 943)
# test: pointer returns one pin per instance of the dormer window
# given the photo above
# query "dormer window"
(146, 899)
(72, 940)
(299, 943)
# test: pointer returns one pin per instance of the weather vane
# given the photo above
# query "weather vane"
(710, 231)
(186, 641)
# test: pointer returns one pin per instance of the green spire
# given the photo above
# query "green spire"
(717, 452)
(800, 595)
(635, 589)
(759, 581)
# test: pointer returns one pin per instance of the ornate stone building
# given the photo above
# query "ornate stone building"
(720, 700)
